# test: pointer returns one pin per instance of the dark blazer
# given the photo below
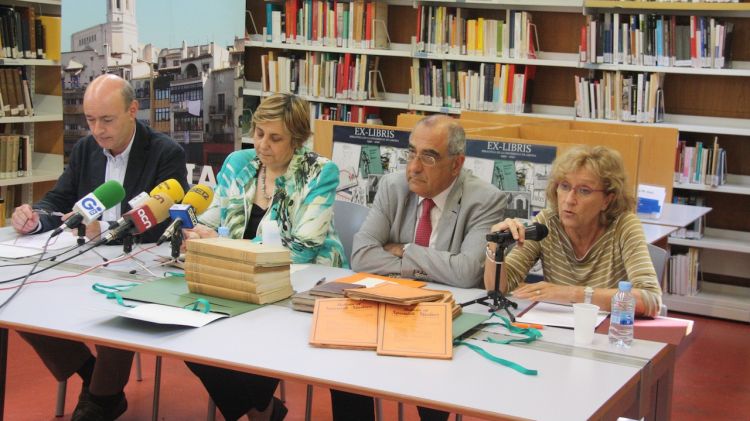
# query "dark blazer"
(154, 157)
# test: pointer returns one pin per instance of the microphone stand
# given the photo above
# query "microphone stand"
(127, 249)
(81, 240)
(499, 301)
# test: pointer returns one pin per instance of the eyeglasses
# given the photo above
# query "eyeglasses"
(426, 160)
(581, 191)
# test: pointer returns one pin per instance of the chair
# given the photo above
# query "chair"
(659, 258)
(347, 218)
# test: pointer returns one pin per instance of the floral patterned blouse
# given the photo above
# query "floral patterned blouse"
(302, 204)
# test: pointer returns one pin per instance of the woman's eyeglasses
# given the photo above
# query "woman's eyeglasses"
(581, 191)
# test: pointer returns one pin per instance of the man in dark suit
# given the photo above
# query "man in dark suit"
(428, 223)
(118, 148)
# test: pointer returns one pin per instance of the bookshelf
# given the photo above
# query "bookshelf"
(699, 102)
(44, 127)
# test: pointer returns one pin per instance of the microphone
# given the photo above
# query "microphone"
(91, 206)
(196, 202)
(536, 232)
(171, 188)
(142, 218)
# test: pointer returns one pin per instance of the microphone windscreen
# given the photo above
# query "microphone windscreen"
(159, 205)
(199, 197)
(540, 232)
(110, 193)
(170, 187)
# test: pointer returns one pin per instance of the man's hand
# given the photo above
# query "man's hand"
(395, 249)
(24, 219)
(198, 231)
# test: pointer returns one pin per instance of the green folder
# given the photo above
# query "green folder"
(173, 291)
(467, 321)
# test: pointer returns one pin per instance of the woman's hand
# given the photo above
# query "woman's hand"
(514, 226)
(545, 291)
(198, 231)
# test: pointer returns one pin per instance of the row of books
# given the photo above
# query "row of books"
(683, 273)
(699, 164)
(15, 94)
(487, 87)
(329, 75)
(695, 230)
(446, 30)
(347, 24)
(22, 33)
(343, 112)
(15, 156)
(636, 97)
(656, 40)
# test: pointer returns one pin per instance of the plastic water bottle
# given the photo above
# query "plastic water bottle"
(622, 316)
(223, 231)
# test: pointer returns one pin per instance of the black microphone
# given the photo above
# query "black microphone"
(536, 232)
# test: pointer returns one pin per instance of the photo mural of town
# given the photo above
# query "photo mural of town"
(186, 89)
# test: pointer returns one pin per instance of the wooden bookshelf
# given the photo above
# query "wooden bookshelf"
(699, 102)
(45, 126)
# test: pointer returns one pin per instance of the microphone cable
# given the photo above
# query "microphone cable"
(28, 275)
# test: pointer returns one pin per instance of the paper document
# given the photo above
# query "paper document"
(167, 315)
(31, 245)
(550, 314)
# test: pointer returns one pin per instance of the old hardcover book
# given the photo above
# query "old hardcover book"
(247, 297)
(333, 289)
(424, 331)
(303, 301)
(248, 273)
(344, 323)
(395, 294)
(238, 284)
(240, 250)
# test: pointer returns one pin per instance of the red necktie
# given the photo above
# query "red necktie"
(424, 226)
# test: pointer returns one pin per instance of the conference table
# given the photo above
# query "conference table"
(573, 382)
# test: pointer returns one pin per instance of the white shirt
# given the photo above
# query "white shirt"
(435, 213)
(115, 170)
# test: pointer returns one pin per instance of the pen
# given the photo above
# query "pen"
(320, 281)
(527, 325)
(46, 212)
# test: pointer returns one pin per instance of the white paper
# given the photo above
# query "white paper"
(31, 245)
(371, 282)
(346, 156)
(167, 315)
(651, 193)
(549, 314)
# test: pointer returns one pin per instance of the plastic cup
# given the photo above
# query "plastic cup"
(271, 234)
(585, 321)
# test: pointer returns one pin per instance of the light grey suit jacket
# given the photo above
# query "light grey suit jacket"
(473, 206)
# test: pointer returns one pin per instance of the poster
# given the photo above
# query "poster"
(364, 155)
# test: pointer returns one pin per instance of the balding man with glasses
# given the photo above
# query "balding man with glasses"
(430, 224)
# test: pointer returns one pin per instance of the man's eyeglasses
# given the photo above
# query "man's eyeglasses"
(581, 191)
(426, 160)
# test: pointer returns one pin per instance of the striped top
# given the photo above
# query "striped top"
(619, 254)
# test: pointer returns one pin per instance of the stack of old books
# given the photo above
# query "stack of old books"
(391, 293)
(238, 270)
(305, 301)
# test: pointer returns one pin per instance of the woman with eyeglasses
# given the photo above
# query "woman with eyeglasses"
(281, 182)
(595, 239)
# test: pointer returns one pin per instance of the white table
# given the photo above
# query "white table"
(655, 232)
(676, 215)
(573, 382)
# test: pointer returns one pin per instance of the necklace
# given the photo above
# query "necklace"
(263, 184)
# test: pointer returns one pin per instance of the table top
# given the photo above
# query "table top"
(574, 382)
(677, 215)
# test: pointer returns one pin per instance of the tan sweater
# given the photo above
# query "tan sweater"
(619, 254)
